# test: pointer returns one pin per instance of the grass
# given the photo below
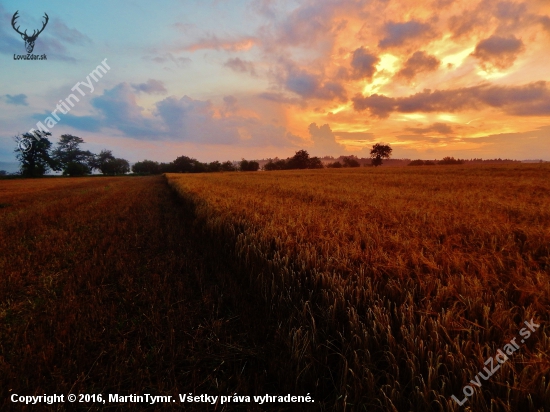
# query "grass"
(392, 287)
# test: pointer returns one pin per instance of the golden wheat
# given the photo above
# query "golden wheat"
(393, 286)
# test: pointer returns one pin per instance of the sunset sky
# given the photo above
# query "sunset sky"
(223, 80)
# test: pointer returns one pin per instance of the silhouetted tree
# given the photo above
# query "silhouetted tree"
(418, 162)
(214, 166)
(72, 160)
(350, 161)
(146, 167)
(38, 159)
(315, 163)
(276, 164)
(335, 165)
(299, 161)
(450, 161)
(228, 166)
(114, 166)
(380, 151)
(248, 166)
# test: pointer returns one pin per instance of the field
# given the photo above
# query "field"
(392, 287)
(105, 287)
(370, 289)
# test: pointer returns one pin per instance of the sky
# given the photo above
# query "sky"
(225, 80)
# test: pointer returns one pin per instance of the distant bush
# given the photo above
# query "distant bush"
(76, 169)
(146, 167)
(335, 165)
(450, 161)
(248, 166)
(350, 161)
(416, 163)
(300, 160)
(429, 163)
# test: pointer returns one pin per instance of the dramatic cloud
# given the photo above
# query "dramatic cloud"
(281, 98)
(120, 111)
(397, 34)
(181, 119)
(324, 141)
(498, 52)
(440, 128)
(151, 87)
(309, 85)
(531, 99)
(17, 100)
(420, 61)
(364, 63)
(241, 66)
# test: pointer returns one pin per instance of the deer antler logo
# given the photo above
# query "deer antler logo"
(29, 40)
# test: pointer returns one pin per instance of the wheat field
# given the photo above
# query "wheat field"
(391, 287)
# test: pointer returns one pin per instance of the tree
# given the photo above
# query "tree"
(418, 162)
(72, 160)
(315, 163)
(146, 167)
(108, 164)
(248, 166)
(34, 154)
(350, 161)
(450, 161)
(380, 151)
(299, 161)
(214, 166)
(335, 165)
(275, 164)
(228, 166)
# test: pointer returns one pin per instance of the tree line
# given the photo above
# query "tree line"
(37, 155)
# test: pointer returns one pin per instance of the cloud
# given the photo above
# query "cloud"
(440, 128)
(227, 43)
(17, 100)
(364, 63)
(151, 87)
(397, 34)
(281, 98)
(324, 141)
(420, 61)
(180, 62)
(532, 99)
(180, 119)
(241, 66)
(498, 52)
(119, 110)
(72, 36)
(312, 86)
